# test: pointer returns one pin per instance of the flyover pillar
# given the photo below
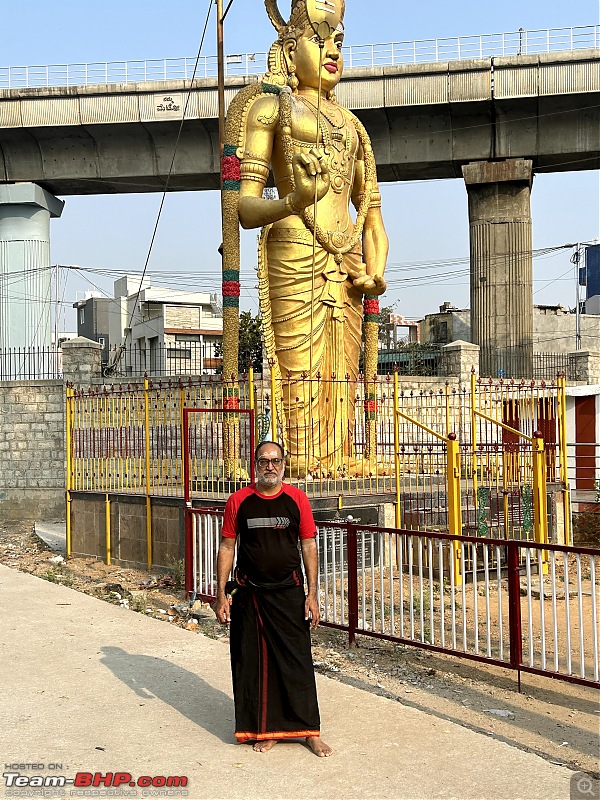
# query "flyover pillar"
(25, 300)
(501, 265)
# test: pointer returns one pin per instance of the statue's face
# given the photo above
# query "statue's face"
(307, 55)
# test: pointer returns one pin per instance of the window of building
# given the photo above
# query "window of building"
(187, 337)
(179, 353)
(82, 315)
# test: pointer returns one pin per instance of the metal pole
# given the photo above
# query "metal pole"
(540, 498)
(187, 505)
(69, 454)
(148, 477)
(107, 528)
(273, 402)
(564, 470)
(398, 509)
(352, 582)
(221, 75)
(454, 503)
(576, 260)
(514, 609)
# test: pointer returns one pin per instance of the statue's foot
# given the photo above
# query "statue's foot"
(236, 474)
(364, 468)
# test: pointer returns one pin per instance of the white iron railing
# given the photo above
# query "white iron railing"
(421, 51)
(530, 607)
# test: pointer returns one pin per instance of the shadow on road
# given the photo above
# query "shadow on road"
(150, 677)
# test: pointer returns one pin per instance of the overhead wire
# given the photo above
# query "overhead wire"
(168, 178)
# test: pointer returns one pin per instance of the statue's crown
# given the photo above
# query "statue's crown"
(317, 13)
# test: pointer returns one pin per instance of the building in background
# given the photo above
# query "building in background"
(163, 331)
(158, 331)
(554, 328)
(93, 313)
(589, 277)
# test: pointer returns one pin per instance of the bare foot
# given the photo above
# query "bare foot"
(318, 746)
(265, 745)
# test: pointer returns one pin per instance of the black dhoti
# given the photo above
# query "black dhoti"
(271, 664)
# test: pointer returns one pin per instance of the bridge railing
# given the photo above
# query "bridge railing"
(421, 51)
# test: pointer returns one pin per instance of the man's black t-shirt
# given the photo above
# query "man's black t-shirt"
(269, 529)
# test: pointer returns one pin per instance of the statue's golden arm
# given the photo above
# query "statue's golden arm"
(375, 240)
(375, 250)
(308, 169)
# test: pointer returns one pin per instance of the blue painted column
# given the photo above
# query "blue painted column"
(25, 275)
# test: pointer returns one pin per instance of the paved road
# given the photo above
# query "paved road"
(98, 688)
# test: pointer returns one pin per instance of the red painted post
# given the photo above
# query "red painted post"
(252, 446)
(187, 505)
(514, 607)
(352, 554)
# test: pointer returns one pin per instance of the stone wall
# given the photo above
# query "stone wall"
(32, 437)
(585, 365)
(32, 450)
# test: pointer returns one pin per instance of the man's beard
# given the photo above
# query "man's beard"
(270, 479)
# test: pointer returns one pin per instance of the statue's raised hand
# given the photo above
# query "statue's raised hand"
(370, 284)
(311, 174)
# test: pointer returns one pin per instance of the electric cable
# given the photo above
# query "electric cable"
(168, 178)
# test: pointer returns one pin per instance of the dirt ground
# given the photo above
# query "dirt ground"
(557, 720)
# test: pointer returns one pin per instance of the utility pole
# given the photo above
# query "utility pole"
(577, 262)
(221, 75)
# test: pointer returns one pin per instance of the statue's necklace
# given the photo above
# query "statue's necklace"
(337, 122)
(337, 145)
(285, 121)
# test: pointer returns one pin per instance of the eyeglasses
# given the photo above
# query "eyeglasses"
(264, 462)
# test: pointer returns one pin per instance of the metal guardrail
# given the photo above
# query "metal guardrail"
(421, 51)
(583, 467)
(30, 363)
(521, 605)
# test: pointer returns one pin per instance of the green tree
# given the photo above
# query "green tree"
(250, 347)
(385, 327)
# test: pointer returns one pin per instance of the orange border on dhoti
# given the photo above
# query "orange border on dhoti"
(245, 737)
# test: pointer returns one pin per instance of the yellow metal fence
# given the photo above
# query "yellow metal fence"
(473, 458)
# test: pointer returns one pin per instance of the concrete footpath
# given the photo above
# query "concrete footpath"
(97, 688)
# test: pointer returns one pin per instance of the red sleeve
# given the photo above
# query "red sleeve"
(230, 519)
(308, 529)
(230, 528)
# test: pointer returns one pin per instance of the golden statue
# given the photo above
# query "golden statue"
(316, 264)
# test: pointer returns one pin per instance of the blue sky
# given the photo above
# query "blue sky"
(427, 221)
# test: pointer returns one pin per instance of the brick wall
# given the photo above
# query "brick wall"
(32, 450)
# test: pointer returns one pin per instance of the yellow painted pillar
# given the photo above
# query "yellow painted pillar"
(252, 400)
(148, 487)
(273, 402)
(398, 509)
(69, 463)
(107, 528)
(453, 472)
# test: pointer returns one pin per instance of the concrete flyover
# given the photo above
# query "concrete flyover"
(426, 121)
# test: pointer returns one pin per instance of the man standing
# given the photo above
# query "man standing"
(271, 663)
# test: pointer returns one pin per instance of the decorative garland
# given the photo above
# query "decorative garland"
(370, 406)
(371, 308)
